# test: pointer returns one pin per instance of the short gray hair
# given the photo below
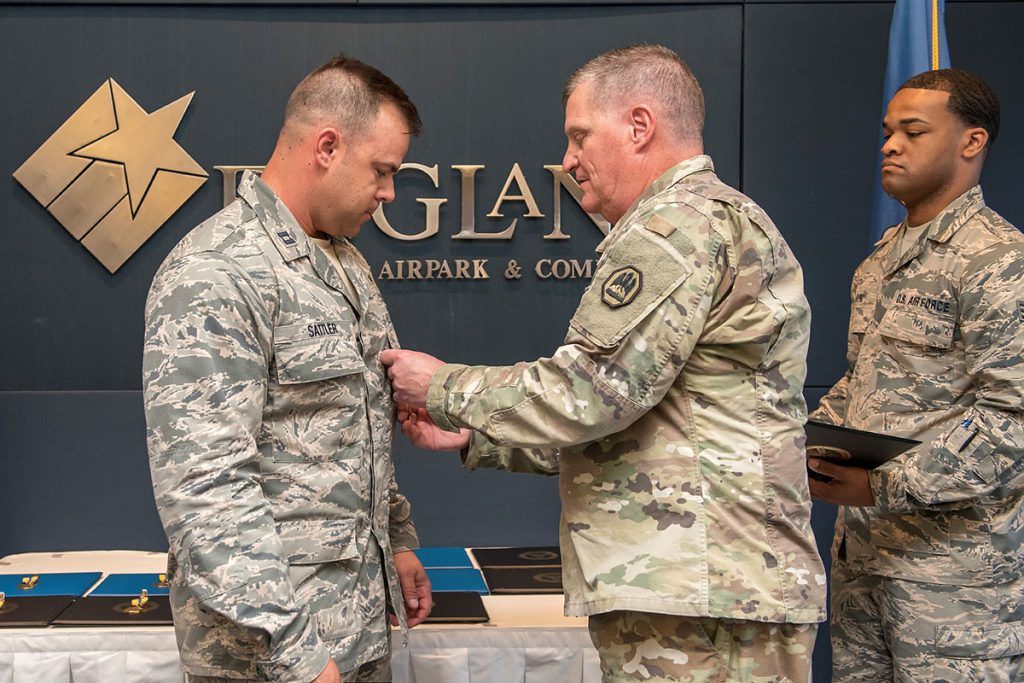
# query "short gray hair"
(650, 70)
(348, 93)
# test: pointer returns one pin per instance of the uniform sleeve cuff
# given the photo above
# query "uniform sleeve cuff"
(437, 397)
(887, 489)
(403, 537)
(480, 453)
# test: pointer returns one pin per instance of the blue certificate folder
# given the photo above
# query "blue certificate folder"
(444, 557)
(130, 584)
(73, 583)
(444, 580)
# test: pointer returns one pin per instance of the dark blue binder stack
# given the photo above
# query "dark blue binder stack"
(456, 585)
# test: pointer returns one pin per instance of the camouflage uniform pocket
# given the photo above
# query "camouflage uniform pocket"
(996, 642)
(302, 354)
(333, 595)
(924, 533)
(317, 410)
(917, 342)
(318, 541)
(322, 571)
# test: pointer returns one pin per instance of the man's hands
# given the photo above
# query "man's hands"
(415, 588)
(849, 485)
(330, 674)
(410, 373)
(421, 430)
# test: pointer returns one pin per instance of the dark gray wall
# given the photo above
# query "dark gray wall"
(793, 92)
(488, 84)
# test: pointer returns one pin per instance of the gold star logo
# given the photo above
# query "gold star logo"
(112, 174)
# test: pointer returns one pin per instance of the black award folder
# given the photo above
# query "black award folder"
(458, 607)
(31, 611)
(540, 556)
(845, 446)
(118, 611)
(523, 580)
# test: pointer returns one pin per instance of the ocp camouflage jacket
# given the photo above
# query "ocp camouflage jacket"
(676, 410)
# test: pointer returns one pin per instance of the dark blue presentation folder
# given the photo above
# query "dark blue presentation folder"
(73, 583)
(130, 584)
(444, 557)
(443, 580)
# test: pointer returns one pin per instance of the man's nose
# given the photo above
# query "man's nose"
(569, 162)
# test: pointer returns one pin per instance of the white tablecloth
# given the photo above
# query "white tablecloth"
(527, 640)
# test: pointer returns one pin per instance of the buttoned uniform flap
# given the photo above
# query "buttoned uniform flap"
(977, 642)
(318, 541)
(917, 327)
(633, 277)
(315, 351)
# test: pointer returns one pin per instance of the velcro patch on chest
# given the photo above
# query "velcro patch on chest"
(622, 286)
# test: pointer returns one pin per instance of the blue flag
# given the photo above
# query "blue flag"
(917, 42)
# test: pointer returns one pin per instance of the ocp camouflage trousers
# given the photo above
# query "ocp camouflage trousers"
(641, 646)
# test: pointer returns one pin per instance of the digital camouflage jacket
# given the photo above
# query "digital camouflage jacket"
(269, 427)
(936, 353)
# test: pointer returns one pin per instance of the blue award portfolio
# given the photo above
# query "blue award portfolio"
(444, 557)
(24, 585)
(442, 580)
(132, 584)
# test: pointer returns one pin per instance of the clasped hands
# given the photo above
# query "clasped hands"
(410, 373)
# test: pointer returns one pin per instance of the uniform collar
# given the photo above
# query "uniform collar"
(661, 184)
(287, 235)
(285, 232)
(940, 229)
(959, 211)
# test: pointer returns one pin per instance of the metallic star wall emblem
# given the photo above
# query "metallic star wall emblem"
(112, 174)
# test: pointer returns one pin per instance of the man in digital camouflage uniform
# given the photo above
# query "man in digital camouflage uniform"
(269, 417)
(927, 556)
(673, 412)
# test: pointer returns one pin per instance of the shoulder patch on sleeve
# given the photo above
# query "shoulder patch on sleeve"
(1020, 310)
(634, 276)
(622, 286)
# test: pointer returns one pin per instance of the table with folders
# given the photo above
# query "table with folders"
(490, 623)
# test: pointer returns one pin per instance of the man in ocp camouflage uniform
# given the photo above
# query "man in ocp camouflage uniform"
(673, 413)
(269, 416)
(927, 558)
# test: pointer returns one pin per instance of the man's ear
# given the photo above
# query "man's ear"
(642, 124)
(330, 146)
(974, 141)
